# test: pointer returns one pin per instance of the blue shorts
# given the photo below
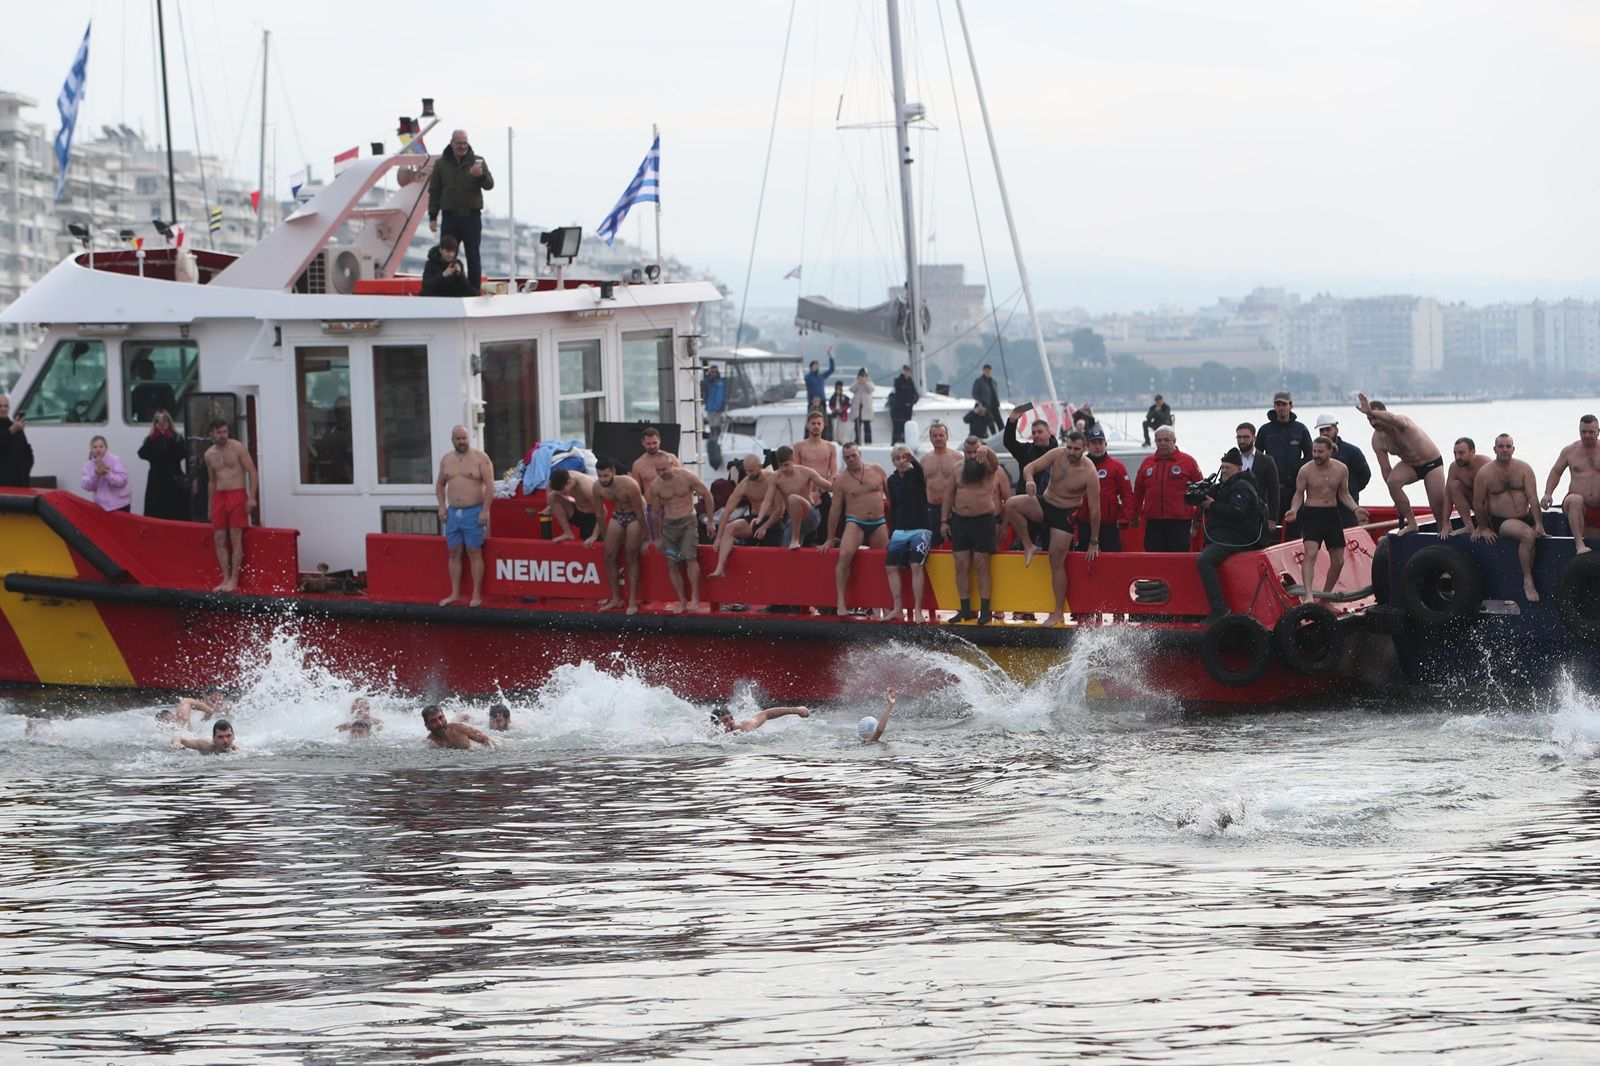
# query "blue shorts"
(908, 547)
(461, 527)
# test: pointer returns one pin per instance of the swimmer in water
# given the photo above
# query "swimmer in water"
(446, 734)
(39, 729)
(209, 703)
(499, 717)
(360, 715)
(360, 729)
(724, 718)
(870, 729)
(221, 742)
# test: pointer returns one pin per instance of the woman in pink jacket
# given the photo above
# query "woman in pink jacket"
(105, 478)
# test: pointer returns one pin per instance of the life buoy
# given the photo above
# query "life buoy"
(1440, 586)
(1229, 638)
(1380, 571)
(1578, 597)
(1310, 639)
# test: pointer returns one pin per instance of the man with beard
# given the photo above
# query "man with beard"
(1264, 469)
(1581, 504)
(443, 733)
(738, 517)
(464, 489)
(1503, 498)
(654, 462)
(1116, 498)
(1458, 486)
(1320, 489)
(624, 532)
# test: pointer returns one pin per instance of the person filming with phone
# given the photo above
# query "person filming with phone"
(456, 188)
(16, 454)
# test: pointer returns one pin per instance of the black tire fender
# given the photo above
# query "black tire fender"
(1231, 634)
(1310, 639)
(1578, 597)
(1441, 586)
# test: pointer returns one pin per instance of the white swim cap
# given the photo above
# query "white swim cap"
(867, 726)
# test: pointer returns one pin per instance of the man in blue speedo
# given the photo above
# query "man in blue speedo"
(464, 489)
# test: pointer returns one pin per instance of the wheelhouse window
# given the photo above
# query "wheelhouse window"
(510, 400)
(156, 376)
(322, 394)
(400, 387)
(647, 392)
(72, 388)
(581, 389)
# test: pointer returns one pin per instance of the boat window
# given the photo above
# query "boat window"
(72, 388)
(581, 394)
(510, 400)
(647, 393)
(322, 392)
(400, 385)
(156, 376)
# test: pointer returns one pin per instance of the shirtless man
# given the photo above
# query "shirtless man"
(939, 468)
(1074, 482)
(1420, 460)
(870, 729)
(221, 742)
(209, 703)
(860, 494)
(789, 497)
(1319, 488)
(1581, 504)
(967, 517)
(724, 718)
(819, 455)
(234, 485)
(672, 494)
(447, 734)
(464, 489)
(1458, 486)
(572, 505)
(1503, 497)
(654, 462)
(745, 502)
(624, 532)
(360, 718)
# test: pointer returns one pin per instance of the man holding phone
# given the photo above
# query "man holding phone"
(16, 454)
(456, 188)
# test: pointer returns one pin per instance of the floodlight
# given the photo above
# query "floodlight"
(561, 243)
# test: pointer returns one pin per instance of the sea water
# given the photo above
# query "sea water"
(1016, 873)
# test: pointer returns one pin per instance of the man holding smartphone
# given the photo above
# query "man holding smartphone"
(456, 188)
(16, 454)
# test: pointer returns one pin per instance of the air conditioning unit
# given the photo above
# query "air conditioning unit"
(337, 268)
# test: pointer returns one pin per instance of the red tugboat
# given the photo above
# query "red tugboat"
(345, 385)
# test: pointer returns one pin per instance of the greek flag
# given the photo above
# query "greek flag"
(645, 188)
(67, 103)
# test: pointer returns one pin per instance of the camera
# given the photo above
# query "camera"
(1197, 491)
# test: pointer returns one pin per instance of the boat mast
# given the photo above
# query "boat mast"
(261, 170)
(903, 118)
(166, 110)
(1005, 202)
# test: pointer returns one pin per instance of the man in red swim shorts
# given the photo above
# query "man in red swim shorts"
(233, 497)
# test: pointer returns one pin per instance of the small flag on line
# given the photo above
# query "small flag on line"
(297, 181)
(645, 188)
(216, 219)
(793, 275)
(255, 200)
(345, 157)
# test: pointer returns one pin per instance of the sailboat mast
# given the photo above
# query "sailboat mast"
(1005, 202)
(261, 170)
(902, 133)
(166, 110)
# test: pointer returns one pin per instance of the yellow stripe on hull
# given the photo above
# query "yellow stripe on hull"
(67, 642)
(1014, 587)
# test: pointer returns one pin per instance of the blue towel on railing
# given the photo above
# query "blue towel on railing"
(543, 460)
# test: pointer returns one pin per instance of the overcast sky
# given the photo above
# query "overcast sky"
(1156, 151)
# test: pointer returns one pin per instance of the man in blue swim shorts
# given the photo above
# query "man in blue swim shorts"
(464, 489)
(910, 539)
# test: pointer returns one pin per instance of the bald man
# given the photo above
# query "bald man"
(465, 487)
(456, 188)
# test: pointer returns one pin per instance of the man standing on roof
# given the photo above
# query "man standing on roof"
(817, 380)
(901, 403)
(1159, 415)
(986, 392)
(714, 394)
(456, 189)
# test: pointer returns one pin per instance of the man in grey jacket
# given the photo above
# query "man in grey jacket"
(456, 189)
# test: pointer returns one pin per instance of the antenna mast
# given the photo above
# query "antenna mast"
(261, 171)
(903, 117)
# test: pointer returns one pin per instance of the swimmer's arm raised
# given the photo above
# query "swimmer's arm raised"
(883, 719)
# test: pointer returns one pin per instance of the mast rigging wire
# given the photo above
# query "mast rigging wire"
(194, 116)
(766, 167)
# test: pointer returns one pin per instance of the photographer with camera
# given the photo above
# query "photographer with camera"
(1236, 521)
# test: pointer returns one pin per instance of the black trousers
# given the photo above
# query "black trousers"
(897, 429)
(1166, 535)
(1207, 561)
(468, 229)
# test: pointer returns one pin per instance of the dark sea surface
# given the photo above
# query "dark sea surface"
(1014, 874)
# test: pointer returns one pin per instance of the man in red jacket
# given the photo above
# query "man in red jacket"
(1116, 498)
(1158, 495)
